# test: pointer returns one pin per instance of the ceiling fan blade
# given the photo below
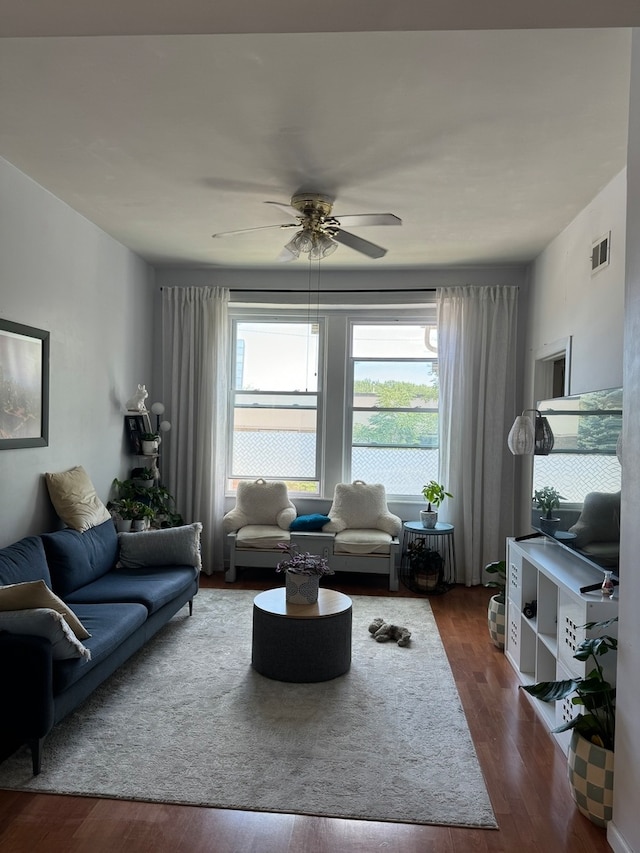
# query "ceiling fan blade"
(248, 230)
(357, 243)
(355, 219)
(285, 207)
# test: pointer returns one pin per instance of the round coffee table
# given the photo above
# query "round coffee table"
(301, 642)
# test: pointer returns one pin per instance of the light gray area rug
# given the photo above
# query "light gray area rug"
(188, 720)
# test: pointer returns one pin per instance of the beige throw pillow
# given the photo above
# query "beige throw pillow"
(75, 500)
(36, 594)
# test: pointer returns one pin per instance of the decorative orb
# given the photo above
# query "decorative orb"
(165, 426)
(157, 408)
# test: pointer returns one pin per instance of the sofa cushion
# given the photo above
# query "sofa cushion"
(33, 594)
(75, 500)
(47, 623)
(152, 587)
(24, 561)
(76, 559)
(362, 541)
(265, 536)
(110, 626)
(174, 546)
(315, 521)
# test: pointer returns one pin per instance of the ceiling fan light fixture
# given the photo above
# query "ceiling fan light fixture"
(292, 248)
(322, 247)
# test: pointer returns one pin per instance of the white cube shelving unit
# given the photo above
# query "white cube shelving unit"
(541, 647)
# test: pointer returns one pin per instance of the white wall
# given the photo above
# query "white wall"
(566, 300)
(624, 831)
(60, 273)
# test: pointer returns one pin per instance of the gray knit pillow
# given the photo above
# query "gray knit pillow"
(173, 546)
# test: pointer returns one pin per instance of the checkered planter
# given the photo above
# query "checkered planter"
(591, 779)
(496, 621)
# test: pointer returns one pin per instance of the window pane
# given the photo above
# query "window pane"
(408, 429)
(394, 341)
(402, 471)
(394, 437)
(276, 356)
(395, 384)
(274, 403)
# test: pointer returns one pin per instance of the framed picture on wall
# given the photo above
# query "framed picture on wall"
(24, 386)
(136, 426)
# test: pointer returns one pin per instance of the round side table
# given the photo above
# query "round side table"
(438, 539)
(301, 642)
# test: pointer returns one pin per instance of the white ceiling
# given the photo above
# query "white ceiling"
(485, 143)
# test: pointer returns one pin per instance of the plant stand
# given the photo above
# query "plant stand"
(438, 577)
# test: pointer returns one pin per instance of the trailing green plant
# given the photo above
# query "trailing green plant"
(593, 693)
(499, 569)
(434, 493)
(149, 436)
(547, 500)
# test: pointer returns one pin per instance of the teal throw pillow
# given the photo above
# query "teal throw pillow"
(306, 523)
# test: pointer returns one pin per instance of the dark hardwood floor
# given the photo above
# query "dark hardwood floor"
(524, 770)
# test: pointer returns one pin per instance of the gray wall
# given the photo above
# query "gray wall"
(60, 273)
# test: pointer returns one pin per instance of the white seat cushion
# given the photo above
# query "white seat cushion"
(264, 536)
(360, 540)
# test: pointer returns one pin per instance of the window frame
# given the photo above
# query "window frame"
(335, 378)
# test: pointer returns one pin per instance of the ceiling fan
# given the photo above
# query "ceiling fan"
(320, 232)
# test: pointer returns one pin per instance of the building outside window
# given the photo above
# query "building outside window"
(347, 396)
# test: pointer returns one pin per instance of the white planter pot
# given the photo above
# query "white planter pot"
(301, 589)
(429, 518)
(590, 769)
(123, 525)
(496, 621)
(149, 448)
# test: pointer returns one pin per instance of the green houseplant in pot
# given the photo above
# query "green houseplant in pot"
(302, 574)
(150, 442)
(590, 756)
(496, 619)
(434, 494)
(547, 499)
(426, 567)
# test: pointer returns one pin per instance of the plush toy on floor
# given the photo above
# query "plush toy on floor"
(383, 631)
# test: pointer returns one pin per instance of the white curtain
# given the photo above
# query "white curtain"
(476, 355)
(195, 359)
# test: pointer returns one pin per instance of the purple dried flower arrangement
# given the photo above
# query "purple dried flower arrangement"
(302, 564)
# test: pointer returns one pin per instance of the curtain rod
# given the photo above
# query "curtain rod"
(315, 290)
(328, 292)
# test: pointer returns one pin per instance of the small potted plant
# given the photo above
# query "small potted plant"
(426, 567)
(123, 511)
(548, 499)
(434, 493)
(150, 442)
(142, 516)
(590, 756)
(302, 574)
(496, 611)
(144, 477)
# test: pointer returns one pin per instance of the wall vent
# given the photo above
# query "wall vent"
(600, 251)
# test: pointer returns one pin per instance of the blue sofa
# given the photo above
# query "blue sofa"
(121, 607)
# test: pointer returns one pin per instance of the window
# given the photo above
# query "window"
(348, 396)
(275, 402)
(394, 376)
